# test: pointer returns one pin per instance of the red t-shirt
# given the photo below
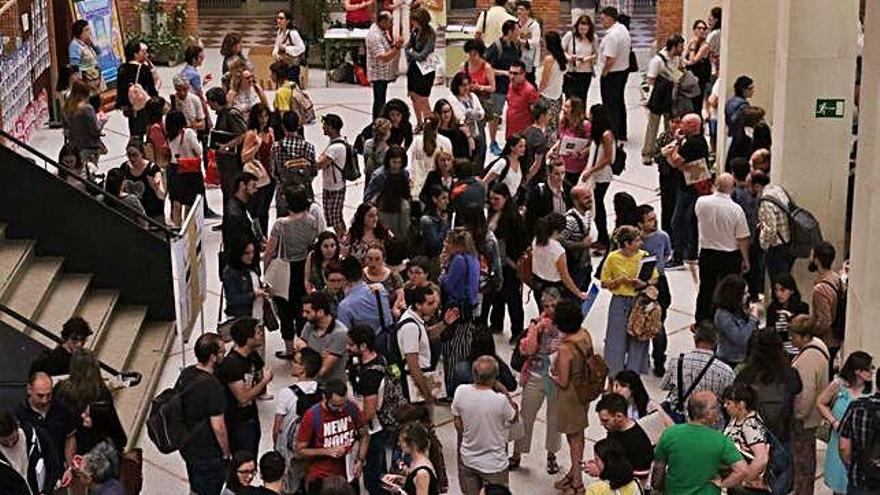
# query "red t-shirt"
(335, 429)
(359, 16)
(519, 112)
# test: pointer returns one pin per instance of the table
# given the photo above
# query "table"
(340, 38)
(456, 36)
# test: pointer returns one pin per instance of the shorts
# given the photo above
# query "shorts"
(498, 101)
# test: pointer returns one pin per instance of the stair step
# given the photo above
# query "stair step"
(3, 226)
(30, 292)
(14, 254)
(97, 310)
(148, 357)
(63, 301)
(117, 341)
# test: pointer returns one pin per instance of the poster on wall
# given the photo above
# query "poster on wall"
(189, 270)
(103, 17)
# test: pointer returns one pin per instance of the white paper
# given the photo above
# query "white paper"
(572, 145)
(435, 381)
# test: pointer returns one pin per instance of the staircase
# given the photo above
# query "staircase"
(40, 289)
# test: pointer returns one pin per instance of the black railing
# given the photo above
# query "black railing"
(131, 378)
(92, 188)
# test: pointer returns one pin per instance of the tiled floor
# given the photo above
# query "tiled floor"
(165, 474)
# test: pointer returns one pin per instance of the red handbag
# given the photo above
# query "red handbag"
(189, 164)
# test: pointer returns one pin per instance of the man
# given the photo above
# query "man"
(467, 189)
(670, 179)
(245, 377)
(663, 71)
(576, 238)
(521, 97)
(38, 410)
(550, 196)
(691, 456)
(325, 334)
(272, 469)
(413, 337)
(717, 377)
(774, 230)
(292, 160)
(482, 413)
(724, 241)
(537, 144)
(28, 465)
(362, 302)
(327, 434)
(204, 406)
(614, 59)
(55, 362)
(689, 154)
(827, 289)
(612, 410)
(383, 53)
(743, 196)
(760, 160)
(490, 22)
(227, 135)
(331, 164)
(714, 39)
(502, 55)
(657, 244)
(194, 57)
(238, 226)
(529, 39)
(188, 103)
(859, 436)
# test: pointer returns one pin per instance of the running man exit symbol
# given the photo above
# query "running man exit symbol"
(827, 108)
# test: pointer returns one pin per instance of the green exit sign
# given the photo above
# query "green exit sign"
(828, 108)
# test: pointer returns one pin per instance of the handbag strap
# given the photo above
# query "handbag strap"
(278, 252)
(137, 76)
(382, 325)
(696, 380)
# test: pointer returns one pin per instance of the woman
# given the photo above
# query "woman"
(473, 218)
(751, 133)
(137, 69)
(70, 158)
(156, 142)
(419, 50)
(750, 436)
(460, 283)
(97, 471)
(574, 125)
(231, 50)
(549, 266)
(629, 385)
(83, 128)
(241, 285)
(616, 476)
(434, 223)
(421, 478)
(256, 149)
(375, 148)
(733, 319)
(244, 93)
(785, 304)
(508, 226)
(696, 60)
(565, 371)
(128, 205)
(458, 134)
(581, 48)
(539, 345)
(185, 180)
(482, 344)
(507, 168)
(326, 251)
(397, 112)
(442, 175)
(469, 110)
(552, 75)
(84, 385)
(358, 14)
(289, 47)
(743, 90)
(365, 230)
(599, 169)
(289, 242)
(377, 272)
(148, 176)
(424, 150)
(620, 275)
(242, 470)
(83, 54)
(99, 423)
(390, 191)
(851, 383)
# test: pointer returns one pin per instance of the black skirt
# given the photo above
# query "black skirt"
(419, 83)
(183, 188)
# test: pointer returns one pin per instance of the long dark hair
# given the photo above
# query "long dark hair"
(591, 32)
(546, 226)
(239, 459)
(317, 254)
(472, 218)
(236, 250)
(254, 118)
(357, 224)
(554, 47)
(396, 186)
(600, 122)
(438, 110)
(765, 359)
(785, 280)
(507, 222)
(617, 470)
(633, 382)
(626, 211)
(858, 360)
(175, 124)
(729, 294)
(421, 18)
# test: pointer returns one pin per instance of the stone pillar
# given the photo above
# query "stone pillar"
(748, 47)
(863, 312)
(669, 19)
(693, 10)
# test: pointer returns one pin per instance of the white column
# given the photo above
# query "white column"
(863, 310)
(693, 10)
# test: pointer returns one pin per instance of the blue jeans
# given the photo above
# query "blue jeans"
(380, 94)
(375, 465)
(684, 242)
(246, 436)
(206, 474)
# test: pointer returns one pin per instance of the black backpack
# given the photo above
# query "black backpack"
(166, 423)
(772, 407)
(803, 226)
(838, 325)
(350, 171)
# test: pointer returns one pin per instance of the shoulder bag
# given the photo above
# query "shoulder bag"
(277, 275)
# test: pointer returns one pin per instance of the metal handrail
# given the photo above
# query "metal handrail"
(91, 186)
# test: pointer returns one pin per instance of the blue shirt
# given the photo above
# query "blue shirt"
(462, 279)
(359, 306)
(193, 78)
(658, 246)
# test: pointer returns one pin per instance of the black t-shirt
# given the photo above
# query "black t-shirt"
(53, 362)
(637, 446)
(694, 148)
(58, 423)
(366, 378)
(233, 368)
(257, 490)
(460, 145)
(204, 400)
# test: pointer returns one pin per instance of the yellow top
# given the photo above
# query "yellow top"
(283, 98)
(603, 488)
(619, 265)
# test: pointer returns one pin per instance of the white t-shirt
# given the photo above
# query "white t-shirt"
(332, 175)
(192, 109)
(413, 337)
(185, 146)
(617, 44)
(420, 163)
(486, 416)
(17, 455)
(544, 260)
(604, 175)
(581, 48)
(720, 222)
(513, 177)
(285, 400)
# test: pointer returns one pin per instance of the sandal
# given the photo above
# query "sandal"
(563, 483)
(513, 462)
(574, 489)
(552, 466)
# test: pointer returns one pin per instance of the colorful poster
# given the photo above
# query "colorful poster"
(189, 270)
(103, 17)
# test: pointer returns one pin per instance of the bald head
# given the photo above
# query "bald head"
(582, 196)
(485, 370)
(702, 407)
(692, 124)
(39, 391)
(760, 160)
(725, 183)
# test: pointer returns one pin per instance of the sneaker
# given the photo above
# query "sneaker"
(495, 149)
(211, 214)
(675, 265)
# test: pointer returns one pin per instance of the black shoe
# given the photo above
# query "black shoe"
(675, 265)
(217, 228)
(287, 356)
(659, 371)
(211, 214)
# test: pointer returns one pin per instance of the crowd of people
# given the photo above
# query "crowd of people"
(391, 316)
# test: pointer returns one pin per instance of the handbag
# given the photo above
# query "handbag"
(823, 431)
(137, 95)
(131, 471)
(277, 275)
(256, 169)
(676, 412)
(270, 315)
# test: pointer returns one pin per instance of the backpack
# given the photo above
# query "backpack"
(502, 175)
(350, 408)
(591, 385)
(301, 104)
(574, 257)
(645, 321)
(869, 457)
(166, 423)
(660, 101)
(391, 397)
(286, 442)
(771, 405)
(802, 225)
(350, 170)
(838, 324)
(778, 472)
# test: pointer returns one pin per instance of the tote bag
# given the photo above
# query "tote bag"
(278, 273)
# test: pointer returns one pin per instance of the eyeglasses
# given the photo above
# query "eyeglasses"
(515, 73)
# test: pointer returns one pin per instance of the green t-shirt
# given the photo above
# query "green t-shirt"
(694, 454)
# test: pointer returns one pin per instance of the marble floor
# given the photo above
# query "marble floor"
(165, 474)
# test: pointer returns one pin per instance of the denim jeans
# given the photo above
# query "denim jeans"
(206, 474)
(684, 219)
(380, 94)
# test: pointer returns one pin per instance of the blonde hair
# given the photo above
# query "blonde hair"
(381, 126)
(461, 240)
(626, 234)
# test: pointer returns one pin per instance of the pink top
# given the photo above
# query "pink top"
(575, 164)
